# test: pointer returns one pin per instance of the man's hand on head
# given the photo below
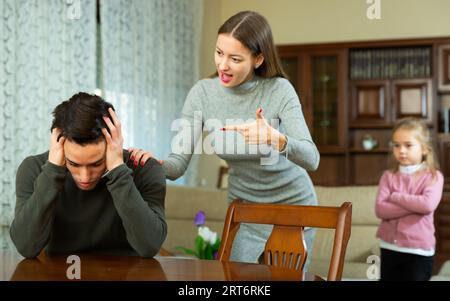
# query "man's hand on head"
(114, 141)
(56, 153)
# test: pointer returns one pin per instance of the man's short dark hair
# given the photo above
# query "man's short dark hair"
(80, 118)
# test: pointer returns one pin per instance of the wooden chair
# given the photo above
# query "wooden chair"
(286, 245)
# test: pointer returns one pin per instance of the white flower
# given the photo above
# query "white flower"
(207, 235)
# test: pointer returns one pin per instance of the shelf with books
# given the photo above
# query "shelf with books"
(390, 63)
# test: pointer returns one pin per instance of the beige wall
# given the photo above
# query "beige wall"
(211, 23)
(316, 21)
(309, 21)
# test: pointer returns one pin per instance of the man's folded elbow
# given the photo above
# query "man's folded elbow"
(152, 247)
(29, 255)
(26, 252)
(24, 249)
(148, 252)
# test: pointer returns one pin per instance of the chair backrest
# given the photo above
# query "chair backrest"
(285, 246)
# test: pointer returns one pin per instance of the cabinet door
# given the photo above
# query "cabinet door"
(293, 66)
(444, 68)
(319, 77)
(370, 102)
(326, 93)
(413, 97)
(442, 225)
(444, 157)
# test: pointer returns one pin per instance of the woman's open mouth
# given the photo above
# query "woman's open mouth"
(225, 78)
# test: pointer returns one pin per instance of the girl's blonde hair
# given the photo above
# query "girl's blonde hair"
(423, 135)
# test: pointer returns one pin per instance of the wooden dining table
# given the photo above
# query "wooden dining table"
(118, 268)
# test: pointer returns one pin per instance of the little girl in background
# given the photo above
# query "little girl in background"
(407, 197)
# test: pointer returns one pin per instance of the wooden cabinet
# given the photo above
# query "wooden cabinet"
(444, 68)
(326, 98)
(375, 107)
(354, 92)
(293, 67)
(370, 102)
(382, 102)
(443, 152)
(442, 213)
(413, 98)
(442, 225)
(319, 77)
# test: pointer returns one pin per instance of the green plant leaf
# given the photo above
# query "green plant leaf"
(208, 252)
(216, 245)
(186, 250)
(199, 247)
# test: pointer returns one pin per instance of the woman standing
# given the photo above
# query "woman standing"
(267, 162)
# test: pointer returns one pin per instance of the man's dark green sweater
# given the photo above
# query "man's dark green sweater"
(123, 214)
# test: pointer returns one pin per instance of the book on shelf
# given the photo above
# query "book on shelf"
(390, 63)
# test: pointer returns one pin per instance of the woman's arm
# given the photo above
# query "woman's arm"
(300, 147)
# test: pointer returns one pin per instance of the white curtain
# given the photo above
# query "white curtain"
(150, 60)
(47, 53)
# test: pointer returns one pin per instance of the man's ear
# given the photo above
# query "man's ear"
(59, 137)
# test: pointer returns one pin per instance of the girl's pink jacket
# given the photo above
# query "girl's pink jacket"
(405, 204)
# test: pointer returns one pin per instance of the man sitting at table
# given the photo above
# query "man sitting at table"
(84, 195)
